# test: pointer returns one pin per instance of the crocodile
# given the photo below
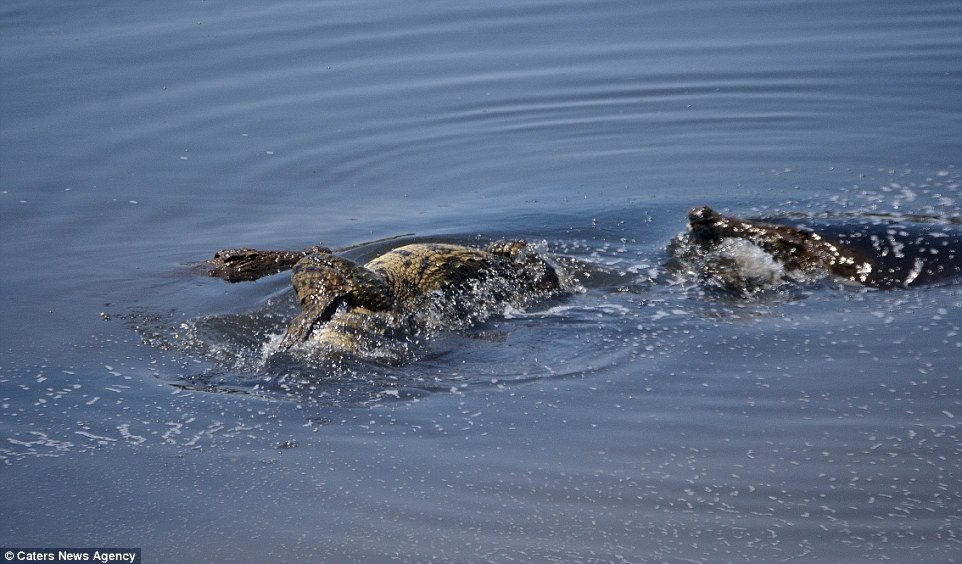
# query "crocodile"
(376, 309)
(744, 255)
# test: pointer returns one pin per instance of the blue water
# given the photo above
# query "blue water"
(643, 419)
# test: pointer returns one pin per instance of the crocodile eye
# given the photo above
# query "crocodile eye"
(703, 213)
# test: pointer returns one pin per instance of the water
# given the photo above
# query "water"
(643, 419)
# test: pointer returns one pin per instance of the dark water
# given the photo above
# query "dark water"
(644, 419)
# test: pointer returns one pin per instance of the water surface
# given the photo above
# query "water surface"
(643, 419)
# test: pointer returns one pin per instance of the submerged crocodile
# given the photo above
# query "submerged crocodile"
(742, 254)
(374, 310)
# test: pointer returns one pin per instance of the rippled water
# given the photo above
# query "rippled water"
(644, 418)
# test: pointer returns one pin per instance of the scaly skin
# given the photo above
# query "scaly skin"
(347, 306)
(796, 249)
(238, 265)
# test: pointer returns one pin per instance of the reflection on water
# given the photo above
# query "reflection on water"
(651, 416)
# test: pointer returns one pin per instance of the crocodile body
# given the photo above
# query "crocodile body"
(741, 254)
(796, 249)
(377, 309)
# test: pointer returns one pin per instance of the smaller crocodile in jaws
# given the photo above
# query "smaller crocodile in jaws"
(243, 264)
(374, 310)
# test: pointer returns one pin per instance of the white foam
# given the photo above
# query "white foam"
(741, 263)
